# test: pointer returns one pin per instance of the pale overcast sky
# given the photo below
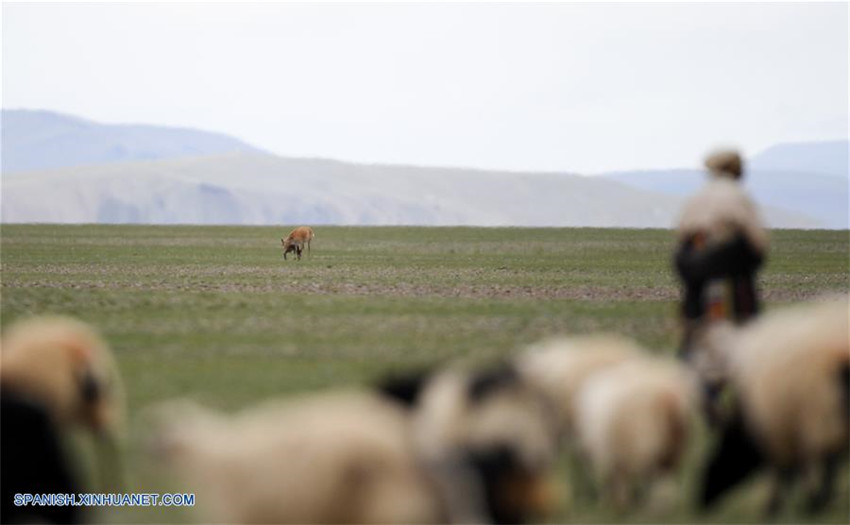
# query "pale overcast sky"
(566, 87)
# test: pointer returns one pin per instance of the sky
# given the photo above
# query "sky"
(581, 88)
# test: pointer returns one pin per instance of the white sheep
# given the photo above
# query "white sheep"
(633, 424)
(791, 372)
(559, 367)
(332, 458)
(466, 447)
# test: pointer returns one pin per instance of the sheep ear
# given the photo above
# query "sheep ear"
(491, 380)
(405, 388)
(90, 388)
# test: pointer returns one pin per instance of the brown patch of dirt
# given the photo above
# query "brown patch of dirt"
(464, 291)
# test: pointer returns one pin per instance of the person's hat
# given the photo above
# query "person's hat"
(725, 163)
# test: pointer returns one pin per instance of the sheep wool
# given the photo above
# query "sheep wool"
(633, 422)
(332, 458)
(488, 441)
(785, 369)
(57, 375)
(791, 372)
(65, 365)
(560, 366)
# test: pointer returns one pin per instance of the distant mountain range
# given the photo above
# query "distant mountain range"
(807, 178)
(147, 174)
(37, 140)
(275, 190)
(827, 158)
(824, 198)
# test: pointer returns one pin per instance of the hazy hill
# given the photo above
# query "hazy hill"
(828, 158)
(810, 179)
(36, 140)
(264, 189)
(822, 197)
(59, 168)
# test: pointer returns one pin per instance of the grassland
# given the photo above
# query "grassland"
(216, 314)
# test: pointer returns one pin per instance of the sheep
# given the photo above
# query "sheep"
(296, 239)
(34, 462)
(559, 367)
(791, 373)
(488, 441)
(344, 457)
(56, 375)
(464, 447)
(632, 424)
(65, 365)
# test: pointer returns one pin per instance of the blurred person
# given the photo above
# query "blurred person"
(722, 243)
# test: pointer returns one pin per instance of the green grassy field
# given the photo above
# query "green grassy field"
(216, 314)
